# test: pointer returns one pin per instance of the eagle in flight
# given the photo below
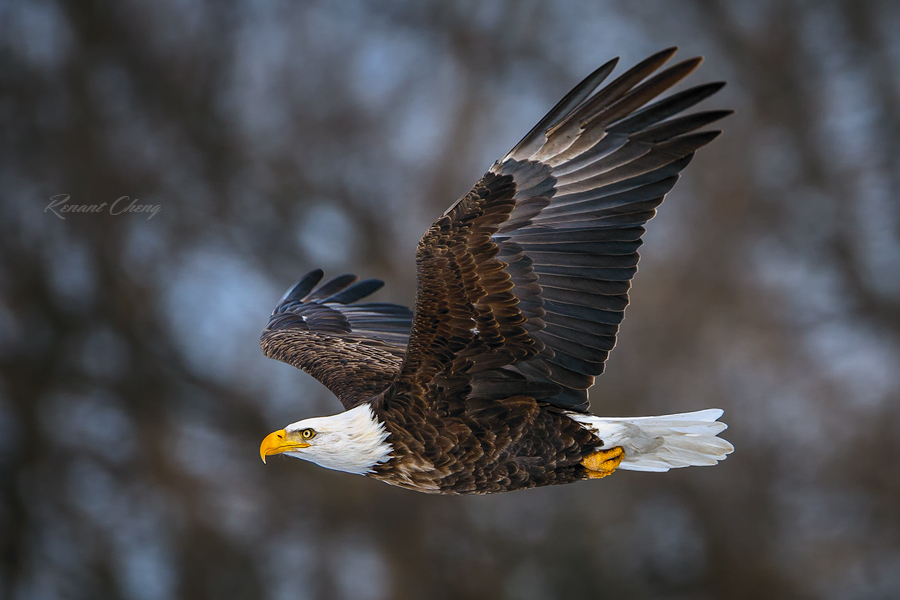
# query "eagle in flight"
(522, 285)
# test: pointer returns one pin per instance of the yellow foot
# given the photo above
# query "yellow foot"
(603, 462)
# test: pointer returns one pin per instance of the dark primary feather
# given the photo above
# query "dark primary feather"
(354, 349)
(523, 282)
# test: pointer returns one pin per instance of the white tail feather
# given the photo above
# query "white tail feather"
(665, 442)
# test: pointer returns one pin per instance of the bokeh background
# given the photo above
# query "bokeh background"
(281, 136)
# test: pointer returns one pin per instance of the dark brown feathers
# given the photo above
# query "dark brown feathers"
(354, 349)
(528, 274)
(522, 285)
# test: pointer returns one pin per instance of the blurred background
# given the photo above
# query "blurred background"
(276, 137)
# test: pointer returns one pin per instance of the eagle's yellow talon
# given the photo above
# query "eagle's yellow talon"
(603, 462)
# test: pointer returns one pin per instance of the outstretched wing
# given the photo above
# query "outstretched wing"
(523, 282)
(355, 350)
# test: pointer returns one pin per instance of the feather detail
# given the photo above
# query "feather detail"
(354, 349)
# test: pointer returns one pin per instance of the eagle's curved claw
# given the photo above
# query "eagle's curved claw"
(603, 462)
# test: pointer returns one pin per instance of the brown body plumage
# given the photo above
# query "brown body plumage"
(508, 444)
(522, 285)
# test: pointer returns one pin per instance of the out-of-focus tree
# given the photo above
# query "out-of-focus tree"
(278, 137)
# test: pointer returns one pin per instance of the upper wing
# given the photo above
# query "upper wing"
(354, 349)
(523, 282)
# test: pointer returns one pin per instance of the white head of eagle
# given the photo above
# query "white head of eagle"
(353, 441)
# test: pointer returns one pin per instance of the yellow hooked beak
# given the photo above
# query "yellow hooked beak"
(278, 442)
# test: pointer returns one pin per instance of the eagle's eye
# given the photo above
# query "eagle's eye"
(307, 434)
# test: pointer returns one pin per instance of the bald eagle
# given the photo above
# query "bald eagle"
(522, 285)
